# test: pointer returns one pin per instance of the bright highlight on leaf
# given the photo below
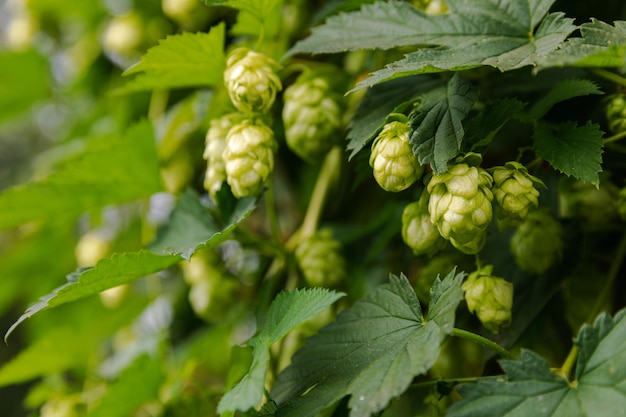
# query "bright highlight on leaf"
(287, 311)
(530, 388)
(371, 352)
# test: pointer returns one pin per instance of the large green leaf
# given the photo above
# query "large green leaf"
(601, 45)
(108, 273)
(185, 60)
(437, 123)
(287, 311)
(191, 225)
(530, 388)
(371, 352)
(574, 150)
(112, 170)
(502, 34)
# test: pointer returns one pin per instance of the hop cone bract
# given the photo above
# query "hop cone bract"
(514, 190)
(248, 157)
(490, 298)
(320, 260)
(537, 242)
(215, 143)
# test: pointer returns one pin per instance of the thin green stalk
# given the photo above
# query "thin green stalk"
(610, 76)
(272, 214)
(158, 105)
(614, 138)
(483, 341)
(568, 365)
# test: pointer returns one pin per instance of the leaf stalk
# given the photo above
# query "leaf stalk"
(483, 341)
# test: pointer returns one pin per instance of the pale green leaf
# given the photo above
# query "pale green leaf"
(502, 34)
(135, 386)
(380, 101)
(191, 225)
(561, 91)
(371, 352)
(573, 150)
(530, 388)
(601, 45)
(185, 60)
(437, 123)
(287, 311)
(108, 273)
(112, 170)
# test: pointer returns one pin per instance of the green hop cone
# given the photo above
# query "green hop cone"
(537, 242)
(395, 165)
(490, 298)
(312, 117)
(215, 143)
(320, 260)
(616, 113)
(251, 80)
(418, 232)
(248, 157)
(460, 203)
(597, 204)
(514, 190)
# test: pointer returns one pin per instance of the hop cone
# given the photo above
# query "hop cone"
(312, 117)
(320, 260)
(460, 204)
(418, 232)
(395, 165)
(514, 191)
(251, 80)
(616, 113)
(595, 204)
(490, 298)
(215, 144)
(537, 242)
(248, 157)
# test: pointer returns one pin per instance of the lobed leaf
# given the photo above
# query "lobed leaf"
(185, 60)
(437, 123)
(112, 170)
(529, 387)
(573, 150)
(287, 311)
(371, 352)
(561, 91)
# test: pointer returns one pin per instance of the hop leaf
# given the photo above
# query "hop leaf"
(537, 242)
(249, 157)
(395, 165)
(514, 191)
(251, 80)
(320, 260)
(215, 144)
(491, 298)
(312, 117)
(460, 203)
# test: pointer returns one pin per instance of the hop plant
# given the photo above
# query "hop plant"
(251, 80)
(621, 203)
(616, 113)
(595, 204)
(395, 165)
(514, 190)
(320, 260)
(537, 242)
(418, 232)
(460, 203)
(490, 298)
(248, 157)
(215, 144)
(312, 117)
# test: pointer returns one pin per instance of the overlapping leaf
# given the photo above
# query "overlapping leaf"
(502, 34)
(574, 150)
(530, 388)
(287, 311)
(185, 60)
(371, 352)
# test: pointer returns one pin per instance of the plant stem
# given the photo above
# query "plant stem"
(610, 76)
(158, 104)
(620, 253)
(270, 208)
(615, 138)
(476, 338)
(568, 365)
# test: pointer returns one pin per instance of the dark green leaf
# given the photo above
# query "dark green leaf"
(379, 102)
(481, 129)
(108, 273)
(371, 352)
(185, 60)
(562, 91)
(530, 388)
(437, 123)
(287, 311)
(573, 150)
(191, 226)
(112, 170)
